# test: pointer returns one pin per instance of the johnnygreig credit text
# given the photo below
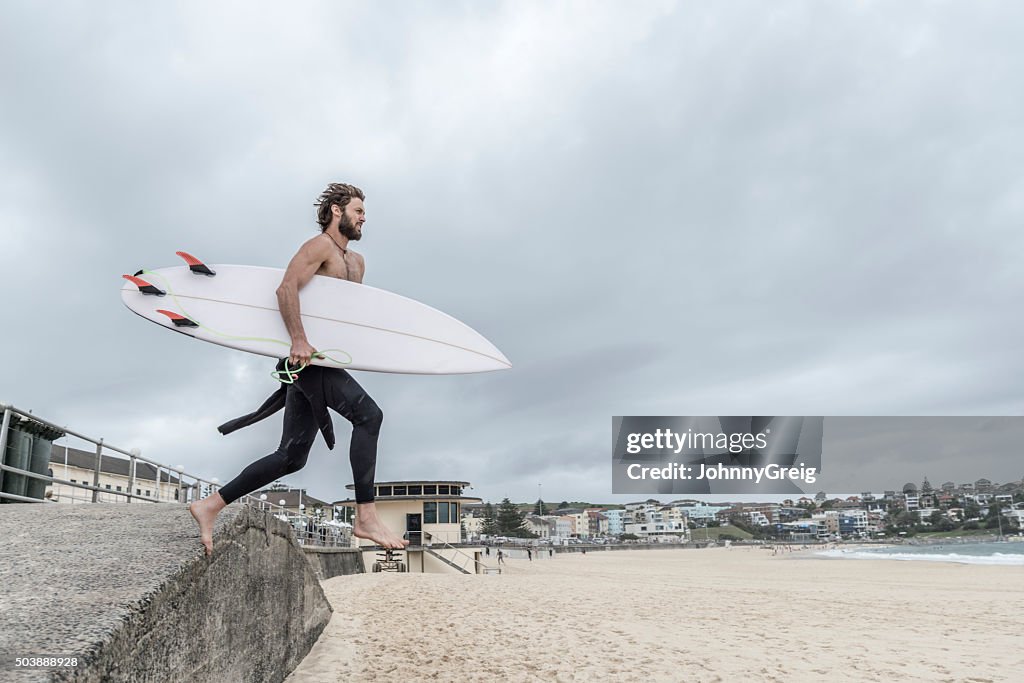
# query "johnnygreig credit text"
(773, 472)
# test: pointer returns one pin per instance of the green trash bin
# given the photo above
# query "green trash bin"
(29, 444)
(19, 452)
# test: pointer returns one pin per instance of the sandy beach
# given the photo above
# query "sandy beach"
(677, 615)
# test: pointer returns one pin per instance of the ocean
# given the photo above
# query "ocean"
(991, 553)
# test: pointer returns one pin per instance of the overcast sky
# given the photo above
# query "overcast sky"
(656, 208)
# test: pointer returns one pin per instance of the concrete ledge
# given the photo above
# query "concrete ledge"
(128, 590)
(331, 562)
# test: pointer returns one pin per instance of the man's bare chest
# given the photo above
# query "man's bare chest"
(346, 266)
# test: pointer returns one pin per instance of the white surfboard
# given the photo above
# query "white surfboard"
(358, 327)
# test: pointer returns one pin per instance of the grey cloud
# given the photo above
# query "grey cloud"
(670, 209)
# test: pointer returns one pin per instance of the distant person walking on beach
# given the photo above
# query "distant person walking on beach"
(529, 554)
(501, 557)
(308, 395)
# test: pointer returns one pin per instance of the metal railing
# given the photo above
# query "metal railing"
(478, 566)
(166, 484)
(310, 530)
(163, 484)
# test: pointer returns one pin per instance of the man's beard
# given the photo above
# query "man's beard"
(347, 228)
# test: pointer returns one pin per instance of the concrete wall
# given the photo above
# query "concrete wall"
(128, 589)
(331, 562)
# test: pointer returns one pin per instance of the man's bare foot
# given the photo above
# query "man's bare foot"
(205, 512)
(369, 526)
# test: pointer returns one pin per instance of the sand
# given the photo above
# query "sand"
(677, 615)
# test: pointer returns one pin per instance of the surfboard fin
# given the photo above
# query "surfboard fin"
(178, 320)
(195, 265)
(144, 286)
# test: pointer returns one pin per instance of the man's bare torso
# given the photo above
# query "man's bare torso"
(344, 266)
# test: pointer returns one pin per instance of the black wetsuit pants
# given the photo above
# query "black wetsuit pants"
(347, 398)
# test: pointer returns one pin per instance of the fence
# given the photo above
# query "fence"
(40, 462)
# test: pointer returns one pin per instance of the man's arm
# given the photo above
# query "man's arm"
(300, 271)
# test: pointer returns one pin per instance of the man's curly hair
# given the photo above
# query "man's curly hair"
(336, 193)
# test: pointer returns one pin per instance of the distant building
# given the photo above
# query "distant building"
(295, 501)
(659, 531)
(804, 529)
(565, 527)
(828, 523)
(656, 522)
(543, 528)
(789, 514)
(77, 466)
(615, 518)
(700, 513)
(756, 518)
(427, 513)
(637, 512)
(472, 521)
(1016, 517)
(761, 514)
(598, 523)
(581, 524)
(854, 523)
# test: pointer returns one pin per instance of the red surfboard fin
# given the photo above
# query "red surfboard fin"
(178, 320)
(195, 265)
(144, 286)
